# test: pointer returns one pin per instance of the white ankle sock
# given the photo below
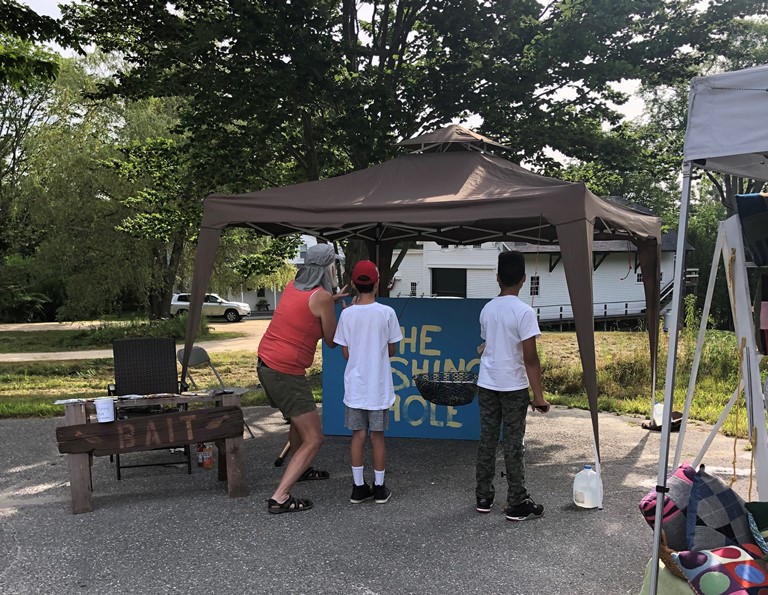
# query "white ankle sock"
(357, 475)
(378, 477)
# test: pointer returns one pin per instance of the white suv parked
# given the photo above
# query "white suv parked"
(212, 306)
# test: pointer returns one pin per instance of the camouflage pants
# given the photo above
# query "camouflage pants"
(510, 408)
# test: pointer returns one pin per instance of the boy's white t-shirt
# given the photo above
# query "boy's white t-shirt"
(505, 322)
(367, 330)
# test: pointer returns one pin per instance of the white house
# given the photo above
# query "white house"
(431, 270)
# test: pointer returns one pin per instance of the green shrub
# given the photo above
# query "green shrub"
(105, 333)
(625, 377)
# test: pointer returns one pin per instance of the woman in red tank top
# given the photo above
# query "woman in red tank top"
(289, 344)
(305, 314)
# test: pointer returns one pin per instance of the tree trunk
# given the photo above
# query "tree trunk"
(381, 254)
(167, 260)
(354, 252)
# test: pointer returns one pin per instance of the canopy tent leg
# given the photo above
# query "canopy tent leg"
(738, 289)
(669, 383)
(699, 344)
(204, 257)
(650, 264)
(716, 428)
(729, 247)
(577, 263)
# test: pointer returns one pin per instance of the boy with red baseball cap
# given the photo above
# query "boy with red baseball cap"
(368, 333)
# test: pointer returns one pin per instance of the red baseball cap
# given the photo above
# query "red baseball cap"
(365, 273)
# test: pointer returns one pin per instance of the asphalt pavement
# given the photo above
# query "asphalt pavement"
(160, 530)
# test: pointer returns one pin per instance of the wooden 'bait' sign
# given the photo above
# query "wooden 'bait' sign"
(163, 430)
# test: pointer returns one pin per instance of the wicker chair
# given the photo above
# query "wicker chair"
(145, 366)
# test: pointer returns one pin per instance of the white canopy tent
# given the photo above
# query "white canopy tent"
(727, 132)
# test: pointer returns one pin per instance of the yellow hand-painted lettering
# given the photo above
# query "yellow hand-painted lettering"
(424, 339)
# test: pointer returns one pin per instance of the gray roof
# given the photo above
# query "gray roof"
(668, 244)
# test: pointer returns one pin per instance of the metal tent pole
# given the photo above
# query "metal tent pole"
(736, 267)
(699, 343)
(669, 383)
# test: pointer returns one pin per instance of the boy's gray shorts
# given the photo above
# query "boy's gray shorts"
(365, 419)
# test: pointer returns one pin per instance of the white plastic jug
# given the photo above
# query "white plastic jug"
(586, 488)
(658, 414)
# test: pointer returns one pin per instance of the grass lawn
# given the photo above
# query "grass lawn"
(624, 376)
(29, 389)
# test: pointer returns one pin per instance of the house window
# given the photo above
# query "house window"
(640, 277)
(449, 282)
(413, 288)
(261, 292)
(534, 285)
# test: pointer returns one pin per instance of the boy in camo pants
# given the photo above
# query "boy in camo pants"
(509, 365)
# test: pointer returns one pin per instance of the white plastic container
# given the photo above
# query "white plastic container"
(657, 415)
(586, 488)
(105, 409)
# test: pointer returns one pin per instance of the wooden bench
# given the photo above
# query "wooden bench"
(222, 423)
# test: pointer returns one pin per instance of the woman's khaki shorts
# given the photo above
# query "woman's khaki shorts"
(287, 392)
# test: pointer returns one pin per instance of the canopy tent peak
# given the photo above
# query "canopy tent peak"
(451, 138)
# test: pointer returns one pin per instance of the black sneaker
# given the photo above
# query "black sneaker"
(525, 511)
(484, 505)
(361, 493)
(381, 493)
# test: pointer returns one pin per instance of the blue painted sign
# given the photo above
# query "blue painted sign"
(439, 335)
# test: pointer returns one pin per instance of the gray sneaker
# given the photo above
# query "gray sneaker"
(525, 511)
(381, 493)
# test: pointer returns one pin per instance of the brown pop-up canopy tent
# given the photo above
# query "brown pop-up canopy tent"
(449, 191)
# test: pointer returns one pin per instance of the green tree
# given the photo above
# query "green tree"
(20, 28)
(647, 169)
(705, 215)
(71, 252)
(317, 86)
(81, 239)
(246, 259)
(164, 210)
(281, 92)
(22, 111)
(713, 198)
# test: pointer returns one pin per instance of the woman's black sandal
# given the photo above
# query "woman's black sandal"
(312, 474)
(290, 505)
